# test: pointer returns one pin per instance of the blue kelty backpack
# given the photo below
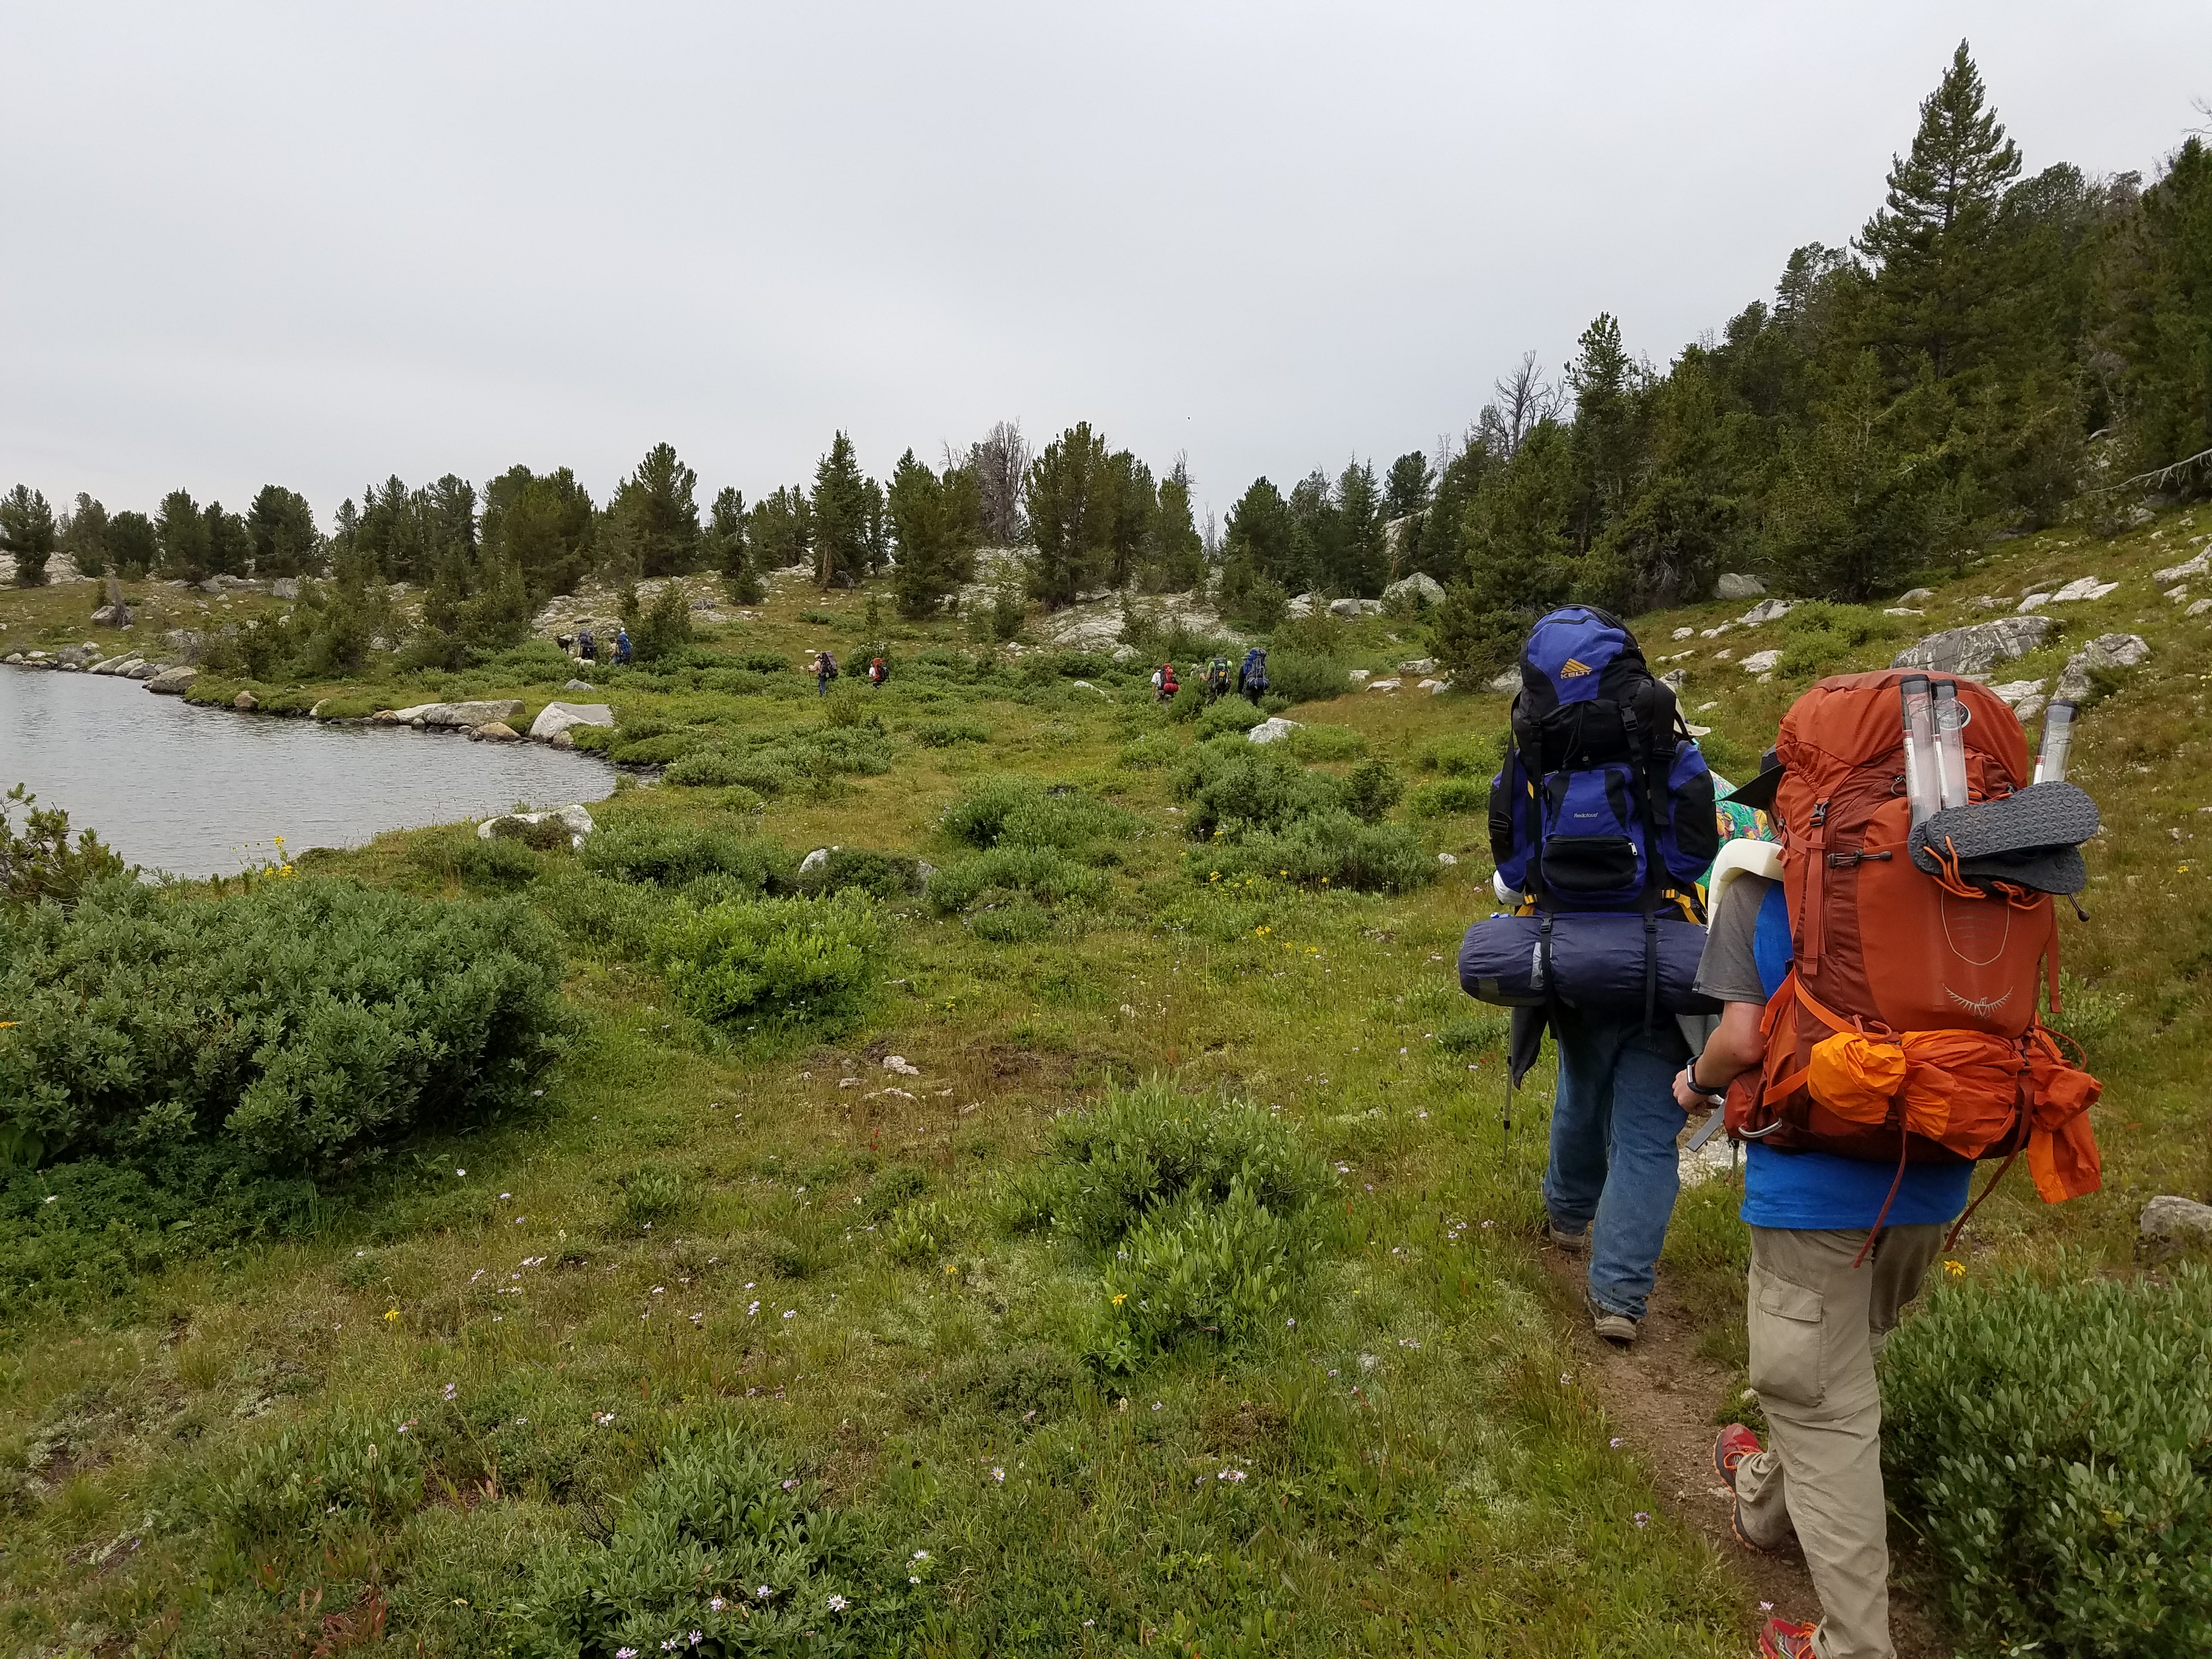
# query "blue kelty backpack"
(1602, 808)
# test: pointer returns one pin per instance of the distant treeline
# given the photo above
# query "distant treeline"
(1991, 352)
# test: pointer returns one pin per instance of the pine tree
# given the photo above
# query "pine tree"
(937, 518)
(1070, 494)
(841, 516)
(183, 537)
(1359, 554)
(726, 549)
(653, 519)
(544, 524)
(27, 532)
(1177, 556)
(2158, 317)
(1606, 441)
(281, 527)
(780, 529)
(1933, 241)
(84, 537)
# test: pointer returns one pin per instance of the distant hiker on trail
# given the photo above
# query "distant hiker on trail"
(1836, 968)
(586, 646)
(825, 670)
(1252, 675)
(1602, 822)
(878, 671)
(622, 645)
(1163, 682)
(1216, 679)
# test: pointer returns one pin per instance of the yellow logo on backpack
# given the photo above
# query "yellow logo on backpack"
(1574, 670)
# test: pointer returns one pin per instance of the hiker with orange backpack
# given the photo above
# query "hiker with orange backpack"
(1880, 972)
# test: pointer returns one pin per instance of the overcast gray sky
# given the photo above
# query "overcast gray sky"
(317, 245)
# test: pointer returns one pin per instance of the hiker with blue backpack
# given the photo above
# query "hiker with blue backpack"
(1601, 822)
(1252, 675)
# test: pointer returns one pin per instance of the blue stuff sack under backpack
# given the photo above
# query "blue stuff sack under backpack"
(1602, 808)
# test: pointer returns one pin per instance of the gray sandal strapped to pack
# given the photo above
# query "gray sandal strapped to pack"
(2029, 839)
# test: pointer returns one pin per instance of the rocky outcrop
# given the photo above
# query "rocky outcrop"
(2082, 587)
(2175, 1220)
(1760, 662)
(1729, 586)
(494, 732)
(1417, 665)
(1766, 611)
(2187, 568)
(558, 717)
(142, 670)
(574, 817)
(185, 645)
(1976, 648)
(457, 716)
(1416, 589)
(1273, 730)
(245, 702)
(77, 656)
(817, 859)
(173, 682)
(2106, 651)
(122, 665)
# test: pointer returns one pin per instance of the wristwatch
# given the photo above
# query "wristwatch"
(1690, 1076)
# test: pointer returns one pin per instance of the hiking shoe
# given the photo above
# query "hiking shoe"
(1573, 1243)
(1617, 1328)
(1785, 1638)
(1735, 1444)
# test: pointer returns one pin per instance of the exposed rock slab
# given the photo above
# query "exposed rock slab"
(459, 715)
(577, 821)
(173, 682)
(1731, 586)
(1274, 730)
(1976, 648)
(558, 717)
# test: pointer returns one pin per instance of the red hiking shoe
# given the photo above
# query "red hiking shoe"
(1735, 1444)
(1783, 1638)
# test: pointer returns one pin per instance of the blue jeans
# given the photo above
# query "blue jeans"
(1613, 1166)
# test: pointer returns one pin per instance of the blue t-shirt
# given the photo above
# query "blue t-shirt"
(1820, 1191)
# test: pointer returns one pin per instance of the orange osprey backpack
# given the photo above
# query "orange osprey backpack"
(1906, 1029)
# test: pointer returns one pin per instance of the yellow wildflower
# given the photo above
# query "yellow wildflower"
(393, 1314)
(1120, 1297)
(1956, 1269)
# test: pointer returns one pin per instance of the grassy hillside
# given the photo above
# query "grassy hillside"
(866, 1332)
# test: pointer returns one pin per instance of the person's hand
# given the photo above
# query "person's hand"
(1689, 1099)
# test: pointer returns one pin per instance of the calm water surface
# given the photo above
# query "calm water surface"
(199, 792)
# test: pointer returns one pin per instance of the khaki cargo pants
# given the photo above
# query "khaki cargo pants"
(1816, 1325)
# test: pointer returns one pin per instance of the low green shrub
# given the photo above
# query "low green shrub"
(1477, 1032)
(1328, 742)
(1371, 789)
(1239, 788)
(548, 834)
(724, 1539)
(774, 964)
(1044, 874)
(1819, 638)
(891, 1189)
(1447, 797)
(322, 1478)
(723, 768)
(1300, 677)
(1194, 1208)
(670, 855)
(38, 863)
(1151, 1148)
(1022, 811)
(652, 752)
(2051, 1446)
(1463, 755)
(279, 1030)
(944, 734)
(651, 1192)
(880, 875)
(1230, 714)
(918, 1235)
(1157, 749)
(1323, 849)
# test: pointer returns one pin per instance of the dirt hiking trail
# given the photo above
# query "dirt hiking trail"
(1663, 1397)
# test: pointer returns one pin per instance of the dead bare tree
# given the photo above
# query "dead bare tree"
(1525, 400)
(999, 461)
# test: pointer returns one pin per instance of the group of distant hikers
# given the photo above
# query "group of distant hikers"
(1214, 680)
(1839, 965)
(825, 670)
(586, 645)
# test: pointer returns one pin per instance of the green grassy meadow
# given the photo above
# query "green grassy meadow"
(722, 1296)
